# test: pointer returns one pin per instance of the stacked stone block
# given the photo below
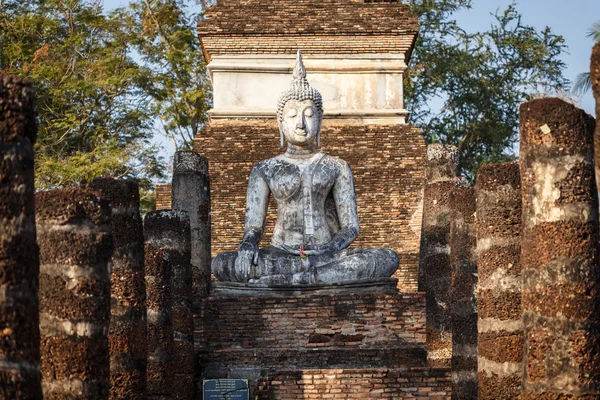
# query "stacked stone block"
(559, 255)
(168, 287)
(127, 335)
(73, 227)
(500, 330)
(19, 255)
(434, 264)
(463, 262)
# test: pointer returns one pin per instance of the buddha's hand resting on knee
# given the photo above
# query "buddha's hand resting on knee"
(247, 256)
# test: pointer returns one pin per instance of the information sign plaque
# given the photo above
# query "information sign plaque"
(225, 389)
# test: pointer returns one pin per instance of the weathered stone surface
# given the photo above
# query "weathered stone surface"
(19, 254)
(463, 264)
(434, 265)
(169, 302)
(561, 305)
(595, 76)
(127, 335)
(191, 193)
(500, 335)
(75, 242)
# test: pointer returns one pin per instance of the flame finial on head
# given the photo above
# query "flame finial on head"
(299, 70)
(299, 89)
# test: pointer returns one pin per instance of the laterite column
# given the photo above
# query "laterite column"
(500, 330)
(170, 352)
(73, 227)
(191, 193)
(127, 335)
(179, 254)
(463, 262)
(561, 279)
(19, 255)
(434, 263)
(595, 76)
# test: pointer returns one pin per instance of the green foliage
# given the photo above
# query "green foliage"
(583, 82)
(92, 109)
(163, 35)
(477, 81)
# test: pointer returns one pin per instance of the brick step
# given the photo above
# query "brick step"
(316, 358)
(352, 384)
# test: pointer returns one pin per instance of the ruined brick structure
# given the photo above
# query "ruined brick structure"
(163, 197)
(19, 255)
(355, 54)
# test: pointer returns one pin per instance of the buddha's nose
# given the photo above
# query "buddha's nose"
(300, 122)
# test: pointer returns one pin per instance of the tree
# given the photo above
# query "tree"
(583, 83)
(93, 118)
(163, 34)
(479, 79)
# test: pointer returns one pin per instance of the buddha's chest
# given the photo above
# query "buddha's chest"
(295, 181)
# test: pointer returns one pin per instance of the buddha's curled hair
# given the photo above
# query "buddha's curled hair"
(299, 90)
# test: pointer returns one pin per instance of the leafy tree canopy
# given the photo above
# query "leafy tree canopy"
(465, 88)
(92, 109)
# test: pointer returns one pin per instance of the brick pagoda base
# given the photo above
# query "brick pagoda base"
(348, 345)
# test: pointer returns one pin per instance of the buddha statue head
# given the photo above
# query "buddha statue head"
(300, 110)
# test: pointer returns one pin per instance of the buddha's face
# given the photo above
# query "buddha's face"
(301, 122)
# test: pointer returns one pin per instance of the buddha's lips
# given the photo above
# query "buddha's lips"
(301, 132)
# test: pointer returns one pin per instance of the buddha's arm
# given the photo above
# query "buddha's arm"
(345, 202)
(257, 201)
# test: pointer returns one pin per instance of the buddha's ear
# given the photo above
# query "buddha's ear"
(281, 138)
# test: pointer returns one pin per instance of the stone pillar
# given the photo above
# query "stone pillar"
(127, 335)
(463, 262)
(191, 193)
(434, 263)
(595, 76)
(179, 250)
(559, 254)
(170, 361)
(75, 250)
(19, 255)
(500, 331)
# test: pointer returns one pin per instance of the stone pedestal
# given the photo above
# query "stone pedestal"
(286, 343)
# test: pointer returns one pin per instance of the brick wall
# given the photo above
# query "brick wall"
(407, 383)
(388, 165)
(163, 197)
(342, 330)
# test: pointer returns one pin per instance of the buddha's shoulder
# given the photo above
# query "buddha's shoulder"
(265, 166)
(336, 162)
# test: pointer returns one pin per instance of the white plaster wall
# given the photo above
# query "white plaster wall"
(363, 87)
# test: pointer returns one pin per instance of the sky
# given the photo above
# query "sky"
(570, 18)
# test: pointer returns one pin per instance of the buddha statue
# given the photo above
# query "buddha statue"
(317, 216)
